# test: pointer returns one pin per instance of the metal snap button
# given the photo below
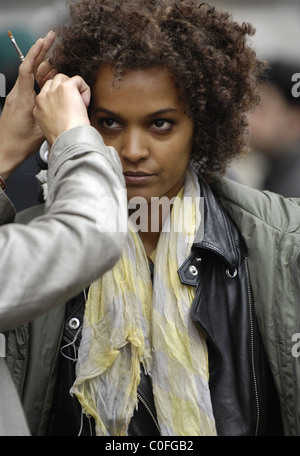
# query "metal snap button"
(193, 270)
(74, 323)
(231, 274)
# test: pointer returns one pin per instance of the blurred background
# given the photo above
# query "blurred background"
(273, 161)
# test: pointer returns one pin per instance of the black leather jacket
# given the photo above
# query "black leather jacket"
(243, 395)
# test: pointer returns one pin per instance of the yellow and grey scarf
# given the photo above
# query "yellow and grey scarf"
(129, 321)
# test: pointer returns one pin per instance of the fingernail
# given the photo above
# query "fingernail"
(50, 33)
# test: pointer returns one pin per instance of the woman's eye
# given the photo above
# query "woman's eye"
(162, 124)
(109, 123)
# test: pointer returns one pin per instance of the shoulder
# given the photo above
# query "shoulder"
(247, 205)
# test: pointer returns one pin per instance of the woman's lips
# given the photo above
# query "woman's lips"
(137, 178)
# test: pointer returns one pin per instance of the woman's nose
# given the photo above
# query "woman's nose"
(134, 146)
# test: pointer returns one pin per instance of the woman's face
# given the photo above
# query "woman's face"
(143, 119)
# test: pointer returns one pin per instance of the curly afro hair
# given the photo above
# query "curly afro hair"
(204, 50)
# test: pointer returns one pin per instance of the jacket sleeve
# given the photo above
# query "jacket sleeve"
(80, 236)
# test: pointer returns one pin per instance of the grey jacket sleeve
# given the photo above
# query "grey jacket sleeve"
(12, 418)
(56, 255)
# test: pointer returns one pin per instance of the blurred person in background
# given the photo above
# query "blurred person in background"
(273, 162)
(275, 130)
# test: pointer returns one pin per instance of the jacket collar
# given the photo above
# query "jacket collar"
(215, 235)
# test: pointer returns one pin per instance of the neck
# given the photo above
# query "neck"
(149, 241)
(149, 220)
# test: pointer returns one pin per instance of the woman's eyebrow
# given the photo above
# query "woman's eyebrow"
(106, 111)
(162, 111)
(152, 114)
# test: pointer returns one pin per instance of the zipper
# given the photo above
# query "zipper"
(149, 411)
(297, 330)
(252, 347)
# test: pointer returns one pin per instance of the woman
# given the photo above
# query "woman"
(170, 343)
